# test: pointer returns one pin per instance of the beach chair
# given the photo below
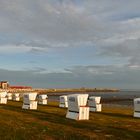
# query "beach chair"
(29, 101)
(42, 99)
(63, 101)
(16, 97)
(3, 98)
(9, 96)
(77, 108)
(137, 107)
(94, 104)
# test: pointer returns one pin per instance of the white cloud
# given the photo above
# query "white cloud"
(66, 22)
(14, 49)
(75, 77)
(38, 25)
(8, 49)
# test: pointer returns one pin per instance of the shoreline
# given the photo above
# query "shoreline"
(60, 91)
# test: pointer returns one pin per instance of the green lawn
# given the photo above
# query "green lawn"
(49, 122)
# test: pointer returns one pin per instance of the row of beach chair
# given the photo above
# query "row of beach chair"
(78, 105)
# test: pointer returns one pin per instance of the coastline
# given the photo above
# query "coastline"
(62, 90)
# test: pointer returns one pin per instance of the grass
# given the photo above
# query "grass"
(49, 123)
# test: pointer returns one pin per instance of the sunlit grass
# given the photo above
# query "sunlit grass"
(49, 122)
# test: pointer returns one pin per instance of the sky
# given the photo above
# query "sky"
(70, 43)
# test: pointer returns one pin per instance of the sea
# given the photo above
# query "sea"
(123, 97)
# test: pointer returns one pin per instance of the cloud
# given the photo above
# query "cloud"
(97, 70)
(111, 28)
(107, 76)
(15, 49)
(63, 22)
(128, 49)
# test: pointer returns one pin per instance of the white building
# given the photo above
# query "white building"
(77, 108)
(3, 98)
(29, 101)
(137, 107)
(42, 99)
(63, 101)
(94, 104)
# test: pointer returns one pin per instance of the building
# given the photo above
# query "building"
(20, 87)
(4, 84)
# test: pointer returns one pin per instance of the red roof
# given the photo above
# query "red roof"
(21, 87)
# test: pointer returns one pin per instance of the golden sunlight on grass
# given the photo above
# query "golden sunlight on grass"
(49, 122)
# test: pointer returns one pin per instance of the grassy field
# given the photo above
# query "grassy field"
(49, 122)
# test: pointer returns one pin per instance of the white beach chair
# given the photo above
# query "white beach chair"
(94, 104)
(3, 98)
(77, 108)
(42, 99)
(137, 107)
(29, 101)
(9, 96)
(63, 101)
(16, 97)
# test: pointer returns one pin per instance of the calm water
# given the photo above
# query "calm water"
(120, 94)
(111, 95)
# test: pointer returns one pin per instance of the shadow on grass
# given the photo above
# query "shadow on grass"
(11, 107)
(116, 115)
(50, 105)
(123, 133)
(60, 119)
(56, 117)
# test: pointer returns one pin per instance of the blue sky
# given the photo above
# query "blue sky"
(70, 43)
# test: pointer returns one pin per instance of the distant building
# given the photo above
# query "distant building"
(4, 84)
(20, 87)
